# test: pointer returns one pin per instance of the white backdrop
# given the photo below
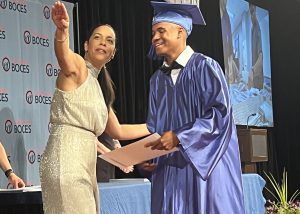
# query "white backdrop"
(28, 71)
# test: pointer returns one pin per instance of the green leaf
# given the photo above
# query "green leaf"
(281, 194)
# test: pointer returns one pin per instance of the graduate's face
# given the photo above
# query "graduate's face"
(166, 38)
(101, 46)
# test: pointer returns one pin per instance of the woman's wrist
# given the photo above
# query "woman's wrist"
(61, 35)
(8, 172)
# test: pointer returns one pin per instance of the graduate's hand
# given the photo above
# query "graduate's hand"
(60, 16)
(149, 167)
(167, 141)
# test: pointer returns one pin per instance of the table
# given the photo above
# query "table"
(254, 200)
(130, 196)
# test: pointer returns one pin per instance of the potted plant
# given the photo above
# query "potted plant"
(282, 205)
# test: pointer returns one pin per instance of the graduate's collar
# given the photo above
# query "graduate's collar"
(94, 71)
(184, 57)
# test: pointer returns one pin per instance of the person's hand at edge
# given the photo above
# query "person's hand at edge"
(16, 181)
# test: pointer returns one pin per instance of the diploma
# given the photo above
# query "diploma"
(135, 153)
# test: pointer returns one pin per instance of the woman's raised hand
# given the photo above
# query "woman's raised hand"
(60, 16)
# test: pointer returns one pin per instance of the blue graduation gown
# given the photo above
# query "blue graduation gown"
(204, 176)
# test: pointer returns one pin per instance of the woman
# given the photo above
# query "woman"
(78, 114)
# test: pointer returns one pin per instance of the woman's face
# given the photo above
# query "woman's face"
(101, 46)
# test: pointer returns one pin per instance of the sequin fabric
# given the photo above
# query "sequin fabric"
(68, 166)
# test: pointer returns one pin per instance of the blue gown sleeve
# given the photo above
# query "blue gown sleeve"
(205, 140)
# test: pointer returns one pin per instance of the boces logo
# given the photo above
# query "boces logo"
(14, 5)
(3, 4)
(38, 97)
(2, 33)
(33, 157)
(20, 127)
(52, 70)
(8, 126)
(18, 66)
(3, 95)
(36, 39)
(46, 12)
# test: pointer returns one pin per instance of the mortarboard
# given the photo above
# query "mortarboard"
(184, 15)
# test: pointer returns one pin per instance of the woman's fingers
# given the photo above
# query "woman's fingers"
(127, 169)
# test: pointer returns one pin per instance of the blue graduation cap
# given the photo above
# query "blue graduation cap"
(184, 15)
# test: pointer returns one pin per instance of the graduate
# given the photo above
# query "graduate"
(189, 107)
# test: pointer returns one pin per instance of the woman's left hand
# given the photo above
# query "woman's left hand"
(127, 169)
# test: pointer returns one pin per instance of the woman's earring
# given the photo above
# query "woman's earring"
(110, 58)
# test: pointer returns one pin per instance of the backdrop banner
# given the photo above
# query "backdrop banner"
(28, 72)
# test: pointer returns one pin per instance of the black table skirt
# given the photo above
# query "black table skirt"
(28, 203)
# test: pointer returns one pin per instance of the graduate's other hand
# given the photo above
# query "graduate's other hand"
(167, 141)
(149, 167)
(60, 15)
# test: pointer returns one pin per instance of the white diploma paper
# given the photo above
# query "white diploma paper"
(134, 153)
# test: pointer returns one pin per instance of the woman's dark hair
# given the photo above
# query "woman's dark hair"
(107, 87)
(104, 79)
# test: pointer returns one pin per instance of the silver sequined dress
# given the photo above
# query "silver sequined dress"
(68, 166)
